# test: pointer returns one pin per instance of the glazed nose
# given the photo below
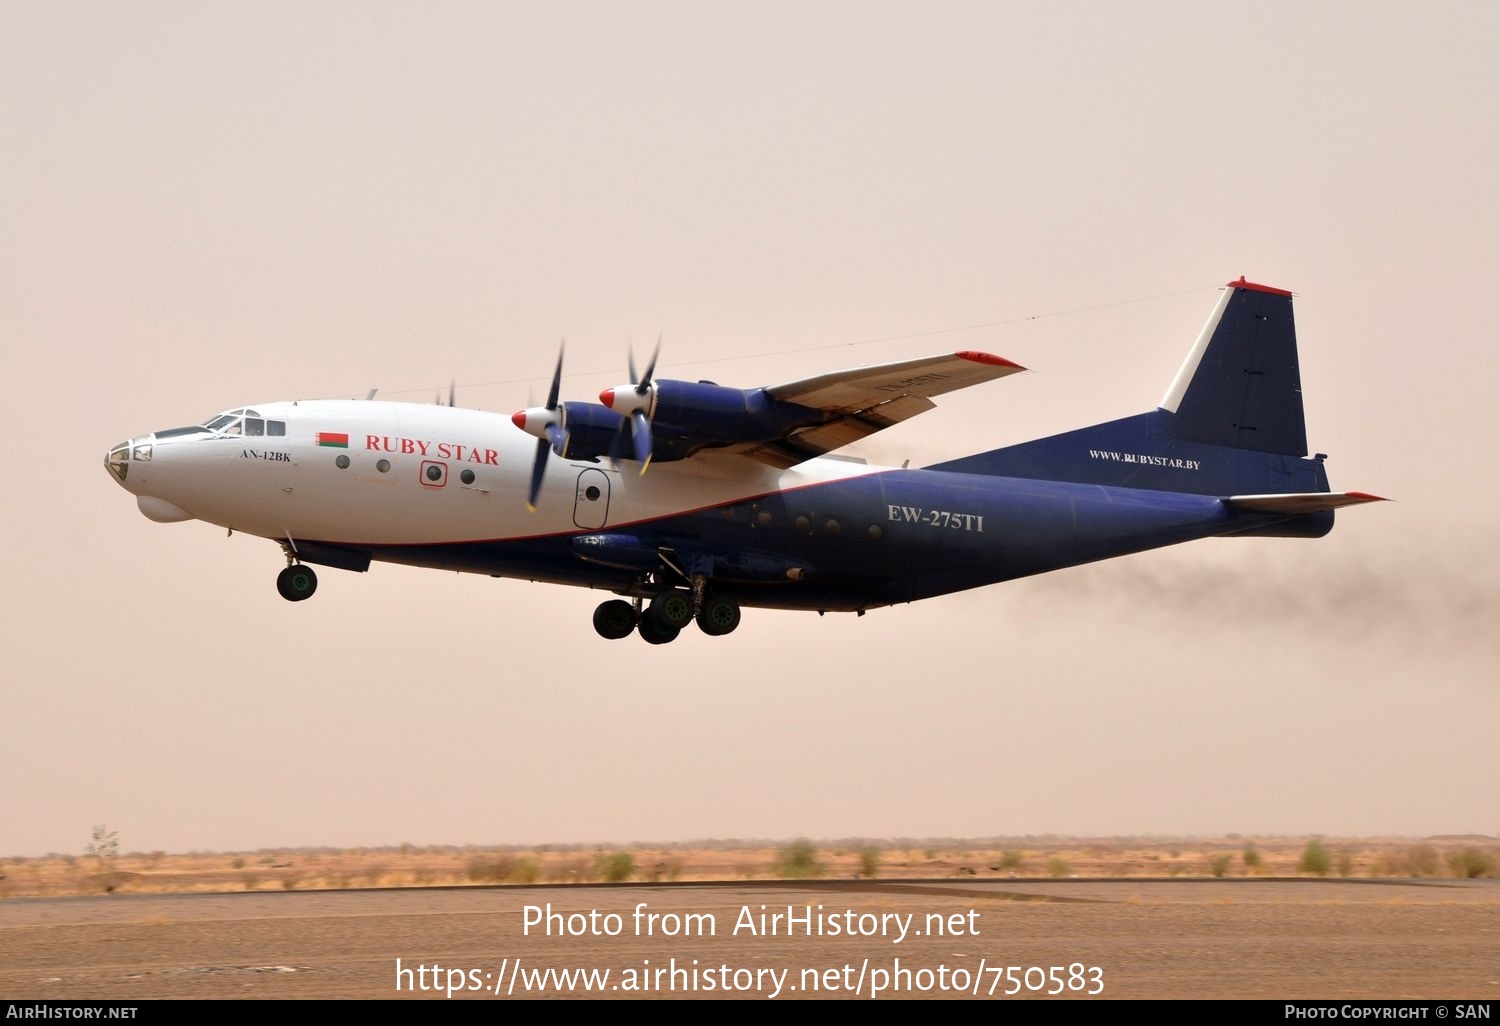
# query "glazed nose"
(117, 461)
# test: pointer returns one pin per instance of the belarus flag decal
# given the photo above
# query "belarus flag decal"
(334, 439)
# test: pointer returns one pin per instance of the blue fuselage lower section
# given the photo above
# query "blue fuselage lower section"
(884, 538)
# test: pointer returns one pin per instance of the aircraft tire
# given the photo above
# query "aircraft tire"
(718, 616)
(671, 610)
(297, 582)
(654, 634)
(614, 619)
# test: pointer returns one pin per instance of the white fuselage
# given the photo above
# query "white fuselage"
(389, 473)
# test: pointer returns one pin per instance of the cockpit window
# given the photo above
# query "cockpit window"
(196, 429)
(245, 422)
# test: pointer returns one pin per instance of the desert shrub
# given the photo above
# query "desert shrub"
(1315, 859)
(1421, 860)
(797, 861)
(1343, 864)
(1058, 866)
(869, 861)
(666, 869)
(615, 867)
(1252, 858)
(1470, 863)
(1219, 864)
(104, 849)
(1011, 859)
(574, 870)
(527, 870)
(490, 869)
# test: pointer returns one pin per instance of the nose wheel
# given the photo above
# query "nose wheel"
(296, 582)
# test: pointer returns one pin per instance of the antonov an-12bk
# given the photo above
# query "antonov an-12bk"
(741, 506)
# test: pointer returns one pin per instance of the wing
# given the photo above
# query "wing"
(856, 403)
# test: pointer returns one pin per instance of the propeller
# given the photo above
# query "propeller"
(548, 424)
(635, 402)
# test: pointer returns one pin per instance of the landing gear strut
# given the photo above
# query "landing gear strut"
(296, 582)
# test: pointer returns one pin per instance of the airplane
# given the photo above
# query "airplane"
(689, 500)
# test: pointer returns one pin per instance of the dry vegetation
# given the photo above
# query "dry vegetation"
(410, 865)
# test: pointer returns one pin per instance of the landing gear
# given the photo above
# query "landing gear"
(718, 616)
(614, 619)
(296, 582)
(654, 634)
(671, 611)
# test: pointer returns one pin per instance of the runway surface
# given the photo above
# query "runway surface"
(1083, 939)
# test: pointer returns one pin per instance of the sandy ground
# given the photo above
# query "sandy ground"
(1127, 938)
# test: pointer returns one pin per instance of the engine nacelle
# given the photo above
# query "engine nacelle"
(688, 415)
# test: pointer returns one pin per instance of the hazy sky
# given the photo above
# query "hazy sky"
(206, 205)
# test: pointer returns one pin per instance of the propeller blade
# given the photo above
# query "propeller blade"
(556, 378)
(537, 470)
(642, 429)
(644, 383)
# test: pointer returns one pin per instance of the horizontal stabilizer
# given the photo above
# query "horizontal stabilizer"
(1301, 502)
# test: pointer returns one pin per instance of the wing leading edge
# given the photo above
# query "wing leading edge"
(858, 402)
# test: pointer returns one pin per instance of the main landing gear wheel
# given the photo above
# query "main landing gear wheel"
(296, 582)
(655, 634)
(718, 616)
(671, 611)
(614, 619)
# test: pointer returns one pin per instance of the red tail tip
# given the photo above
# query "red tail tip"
(1257, 287)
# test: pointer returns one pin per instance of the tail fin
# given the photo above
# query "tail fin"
(1240, 386)
(1230, 424)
